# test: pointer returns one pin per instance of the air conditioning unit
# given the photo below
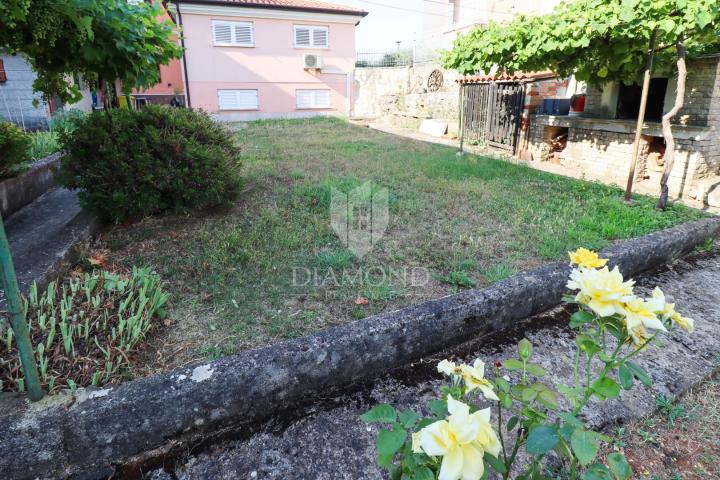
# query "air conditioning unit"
(312, 60)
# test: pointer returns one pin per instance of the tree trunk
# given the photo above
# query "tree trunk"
(669, 156)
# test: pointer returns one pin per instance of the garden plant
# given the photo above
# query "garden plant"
(14, 145)
(461, 438)
(85, 330)
(130, 164)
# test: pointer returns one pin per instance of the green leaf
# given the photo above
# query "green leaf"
(584, 444)
(542, 439)
(528, 394)
(603, 72)
(512, 364)
(597, 471)
(505, 399)
(438, 407)
(390, 441)
(619, 466)
(606, 388)
(535, 369)
(385, 461)
(580, 318)
(587, 345)
(512, 423)
(571, 420)
(525, 349)
(497, 464)
(382, 413)
(548, 398)
(423, 473)
(639, 373)
(408, 418)
(626, 377)
(502, 384)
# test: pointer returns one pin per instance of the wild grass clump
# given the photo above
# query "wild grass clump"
(85, 330)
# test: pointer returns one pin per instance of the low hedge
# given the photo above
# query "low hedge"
(130, 164)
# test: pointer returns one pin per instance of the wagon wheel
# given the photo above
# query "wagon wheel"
(435, 81)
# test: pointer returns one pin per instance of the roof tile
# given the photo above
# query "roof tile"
(290, 5)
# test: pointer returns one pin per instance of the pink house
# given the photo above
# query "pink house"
(252, 59)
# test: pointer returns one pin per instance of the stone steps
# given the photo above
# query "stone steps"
(43, 236)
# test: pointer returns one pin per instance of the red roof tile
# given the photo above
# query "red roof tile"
(304, 5)
(504, 77)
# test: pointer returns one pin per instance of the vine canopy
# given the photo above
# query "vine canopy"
(92, 39)
(596, 40)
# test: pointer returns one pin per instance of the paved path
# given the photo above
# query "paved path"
(43, 234)
(329, 442)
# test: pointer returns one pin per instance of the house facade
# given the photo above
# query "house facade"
(254, 59)
(444, 19)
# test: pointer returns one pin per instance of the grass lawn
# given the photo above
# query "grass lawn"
(469, 221)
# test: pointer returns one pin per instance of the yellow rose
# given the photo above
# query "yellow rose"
(582, 257)
(603, 291)
(474, 377)
(639, 315)
(462, 440)
(667, 311)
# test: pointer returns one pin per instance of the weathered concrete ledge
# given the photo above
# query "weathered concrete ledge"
(88, 434)
(19, 191)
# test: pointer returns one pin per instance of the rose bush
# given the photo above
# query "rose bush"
(458, 442)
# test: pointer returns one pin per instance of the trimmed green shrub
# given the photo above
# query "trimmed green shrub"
(14, 147)
(130, 164)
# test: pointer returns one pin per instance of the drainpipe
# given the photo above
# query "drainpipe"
(184, 59)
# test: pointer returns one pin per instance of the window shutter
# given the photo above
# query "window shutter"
(320, 37)
(313, 98)
(244, 34)
(3, 75)
(322, 98)
(304, 98)
(222, 33)
(302, 36)
(233, 33)
(238, 99)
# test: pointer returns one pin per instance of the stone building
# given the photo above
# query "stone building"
(599, 141)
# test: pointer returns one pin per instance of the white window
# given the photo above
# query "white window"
(311, 37)
(238, 99)
(237, 34)
(313, 98)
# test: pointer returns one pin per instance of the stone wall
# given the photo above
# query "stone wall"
(403, 92)
(602, 150)
(16, 94)
(600, 147)
(702, 95)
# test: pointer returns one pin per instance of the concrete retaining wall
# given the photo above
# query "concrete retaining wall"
(88, 433)
(19, 191)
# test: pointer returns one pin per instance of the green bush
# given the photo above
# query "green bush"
(14, 145)
(130, 164)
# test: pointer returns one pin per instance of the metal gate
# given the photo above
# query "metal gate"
(491, 113)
